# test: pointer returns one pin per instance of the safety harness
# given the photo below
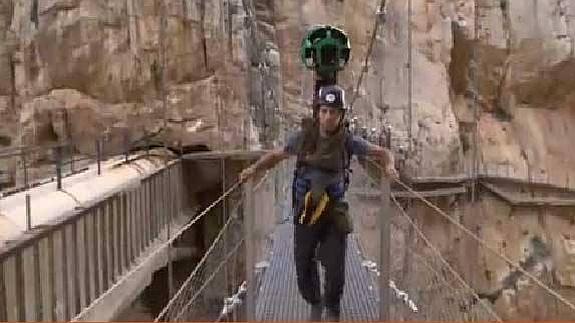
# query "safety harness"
(331, 156)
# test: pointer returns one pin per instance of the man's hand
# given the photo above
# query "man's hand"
(247, 173)
(391, 173)
(386, 161)
(266, 162)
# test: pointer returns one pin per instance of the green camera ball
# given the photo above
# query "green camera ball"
(325, 49)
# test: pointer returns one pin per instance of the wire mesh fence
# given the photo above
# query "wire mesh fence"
(423, 284)
(431, 289)
(217, 289)
(526, 279)
(201, 296)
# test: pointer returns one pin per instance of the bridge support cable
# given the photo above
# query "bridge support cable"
(200, 296)
(384, 253)
(432, 289)
(249, 234)
(440, 257)
(205, 310)
(410, 75)
(232, 303)
(484, 244)
(379, 20)
(223, 219)
(175, 308)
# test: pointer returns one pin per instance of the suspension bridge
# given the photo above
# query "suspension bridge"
(96, 258)
(92, 247)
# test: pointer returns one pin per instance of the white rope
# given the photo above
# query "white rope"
(404, 296)
(486, 246)
(440, 257)
(196, 269)
(208, 252)
(231, 303)
(483, 243)
(209, 279)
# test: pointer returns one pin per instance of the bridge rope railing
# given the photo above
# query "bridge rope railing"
(484, 244)
(426, 278)
(444, 264)
(202, 294)
(200, 299)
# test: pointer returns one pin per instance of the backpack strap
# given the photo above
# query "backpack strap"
(347, 159)
(307, 144)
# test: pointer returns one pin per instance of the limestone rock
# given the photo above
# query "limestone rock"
(227, 74)
(60, 116)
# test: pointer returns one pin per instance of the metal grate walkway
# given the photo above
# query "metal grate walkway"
(279, 299)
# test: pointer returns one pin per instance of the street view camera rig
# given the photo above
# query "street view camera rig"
(325, 50)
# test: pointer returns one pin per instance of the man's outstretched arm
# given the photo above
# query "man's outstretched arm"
(267, 161)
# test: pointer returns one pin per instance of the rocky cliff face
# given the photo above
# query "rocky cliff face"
(226, 74)
(78, 70)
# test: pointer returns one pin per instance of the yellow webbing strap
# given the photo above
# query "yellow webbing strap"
(319, 210)
(306, 202)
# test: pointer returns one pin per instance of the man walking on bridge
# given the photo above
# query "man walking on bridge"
(323, 148)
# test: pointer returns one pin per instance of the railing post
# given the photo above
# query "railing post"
(248, 215)
(25, 168)
(99, 156)
(168, 191)
(384, 250)
(224, 218)
(388, 138)
(58, 155)
(3, 294)
(71, 152)
(28, 213)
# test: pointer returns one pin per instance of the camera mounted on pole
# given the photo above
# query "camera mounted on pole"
(325, 50)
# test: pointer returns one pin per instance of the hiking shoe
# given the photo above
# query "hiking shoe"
(316, 312)
(332, 315)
